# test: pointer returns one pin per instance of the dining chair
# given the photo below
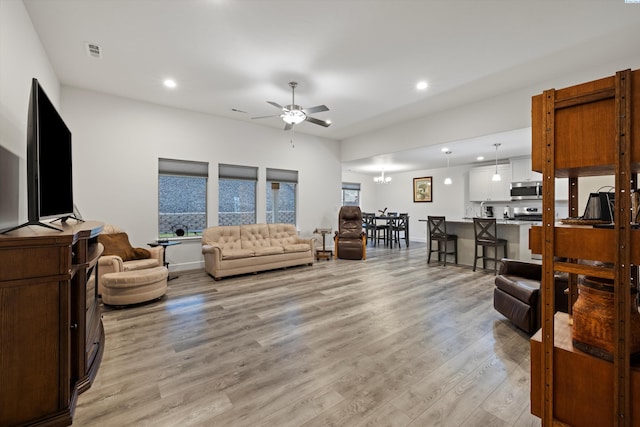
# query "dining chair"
(400, 225)
(382, 232)
(369, 225)
(437, 226)
(486, 236)
(389, 226)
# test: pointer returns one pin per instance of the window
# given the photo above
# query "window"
(237, 194)
(281, 196)
(350, 194)
(182, 198)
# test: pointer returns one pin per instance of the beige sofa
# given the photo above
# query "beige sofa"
(239, 249)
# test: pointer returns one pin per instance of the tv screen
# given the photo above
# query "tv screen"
(49, 168)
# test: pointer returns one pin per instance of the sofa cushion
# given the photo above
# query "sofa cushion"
(118, 244)
(297, 247)
(237, 253)
(268, 250)
(227, 237)
(283, 234)
(254, 236)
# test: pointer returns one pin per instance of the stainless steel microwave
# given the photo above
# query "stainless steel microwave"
(526, 190)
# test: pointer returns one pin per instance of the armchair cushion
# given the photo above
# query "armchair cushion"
(527, 269)
(118, 244)
(517, 293)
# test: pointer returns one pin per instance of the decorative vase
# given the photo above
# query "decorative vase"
(593, 319)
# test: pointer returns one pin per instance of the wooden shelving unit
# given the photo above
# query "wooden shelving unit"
(586, 130)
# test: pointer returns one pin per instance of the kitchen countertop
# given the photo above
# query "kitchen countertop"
(498, 221)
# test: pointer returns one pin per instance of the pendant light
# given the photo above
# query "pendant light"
(447, 180)
(496, 176)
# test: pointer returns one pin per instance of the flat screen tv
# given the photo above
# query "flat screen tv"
(49, 171)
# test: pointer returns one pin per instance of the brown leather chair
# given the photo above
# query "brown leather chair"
(350, 240)
(517, 293)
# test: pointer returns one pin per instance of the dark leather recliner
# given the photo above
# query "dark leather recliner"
(350, 240)
(517, 293)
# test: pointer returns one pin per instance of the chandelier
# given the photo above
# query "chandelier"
(382, 179)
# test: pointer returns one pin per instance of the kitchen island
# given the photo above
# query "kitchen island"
(515, 232)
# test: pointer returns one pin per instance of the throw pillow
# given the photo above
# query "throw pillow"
(118, 244)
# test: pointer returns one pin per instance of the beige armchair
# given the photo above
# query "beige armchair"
(127, 268)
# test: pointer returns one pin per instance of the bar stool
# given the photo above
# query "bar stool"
(486, 235)
(438, 232)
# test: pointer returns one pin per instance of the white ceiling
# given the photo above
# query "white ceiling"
(361, 58)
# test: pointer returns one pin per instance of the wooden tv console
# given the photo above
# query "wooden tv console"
(51, 334)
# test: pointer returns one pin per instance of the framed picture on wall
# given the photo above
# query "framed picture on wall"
(423, 189)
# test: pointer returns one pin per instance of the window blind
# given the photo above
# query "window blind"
(237, 172)
(282, 175)
(183, 167)
(351, 186)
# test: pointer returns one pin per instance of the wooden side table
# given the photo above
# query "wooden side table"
(324, 253)
(165, 244)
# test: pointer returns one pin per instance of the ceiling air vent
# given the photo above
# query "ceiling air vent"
(93, 50)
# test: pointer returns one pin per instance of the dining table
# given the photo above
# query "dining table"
(390, 222)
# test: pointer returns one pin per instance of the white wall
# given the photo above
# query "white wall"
(22, 57)
(117, 143)
(368, 193)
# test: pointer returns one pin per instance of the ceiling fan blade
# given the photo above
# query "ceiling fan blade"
(264, 117)
(288, 126)
(275, 104)
(318, 121)
(316, 109)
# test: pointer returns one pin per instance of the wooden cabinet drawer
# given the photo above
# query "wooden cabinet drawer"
(34, 261)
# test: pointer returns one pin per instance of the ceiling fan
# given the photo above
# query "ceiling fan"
(294, 114)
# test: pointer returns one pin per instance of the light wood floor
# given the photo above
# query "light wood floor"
(390, 341)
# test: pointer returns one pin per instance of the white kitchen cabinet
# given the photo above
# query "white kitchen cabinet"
(562, 188)
(521, 170)
(483, 188)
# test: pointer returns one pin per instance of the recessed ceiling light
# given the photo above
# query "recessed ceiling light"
(170, 83)
(444, 150)
(479, 158)
(422, 85)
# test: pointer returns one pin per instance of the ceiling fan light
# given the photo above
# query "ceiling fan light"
(293, 117)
